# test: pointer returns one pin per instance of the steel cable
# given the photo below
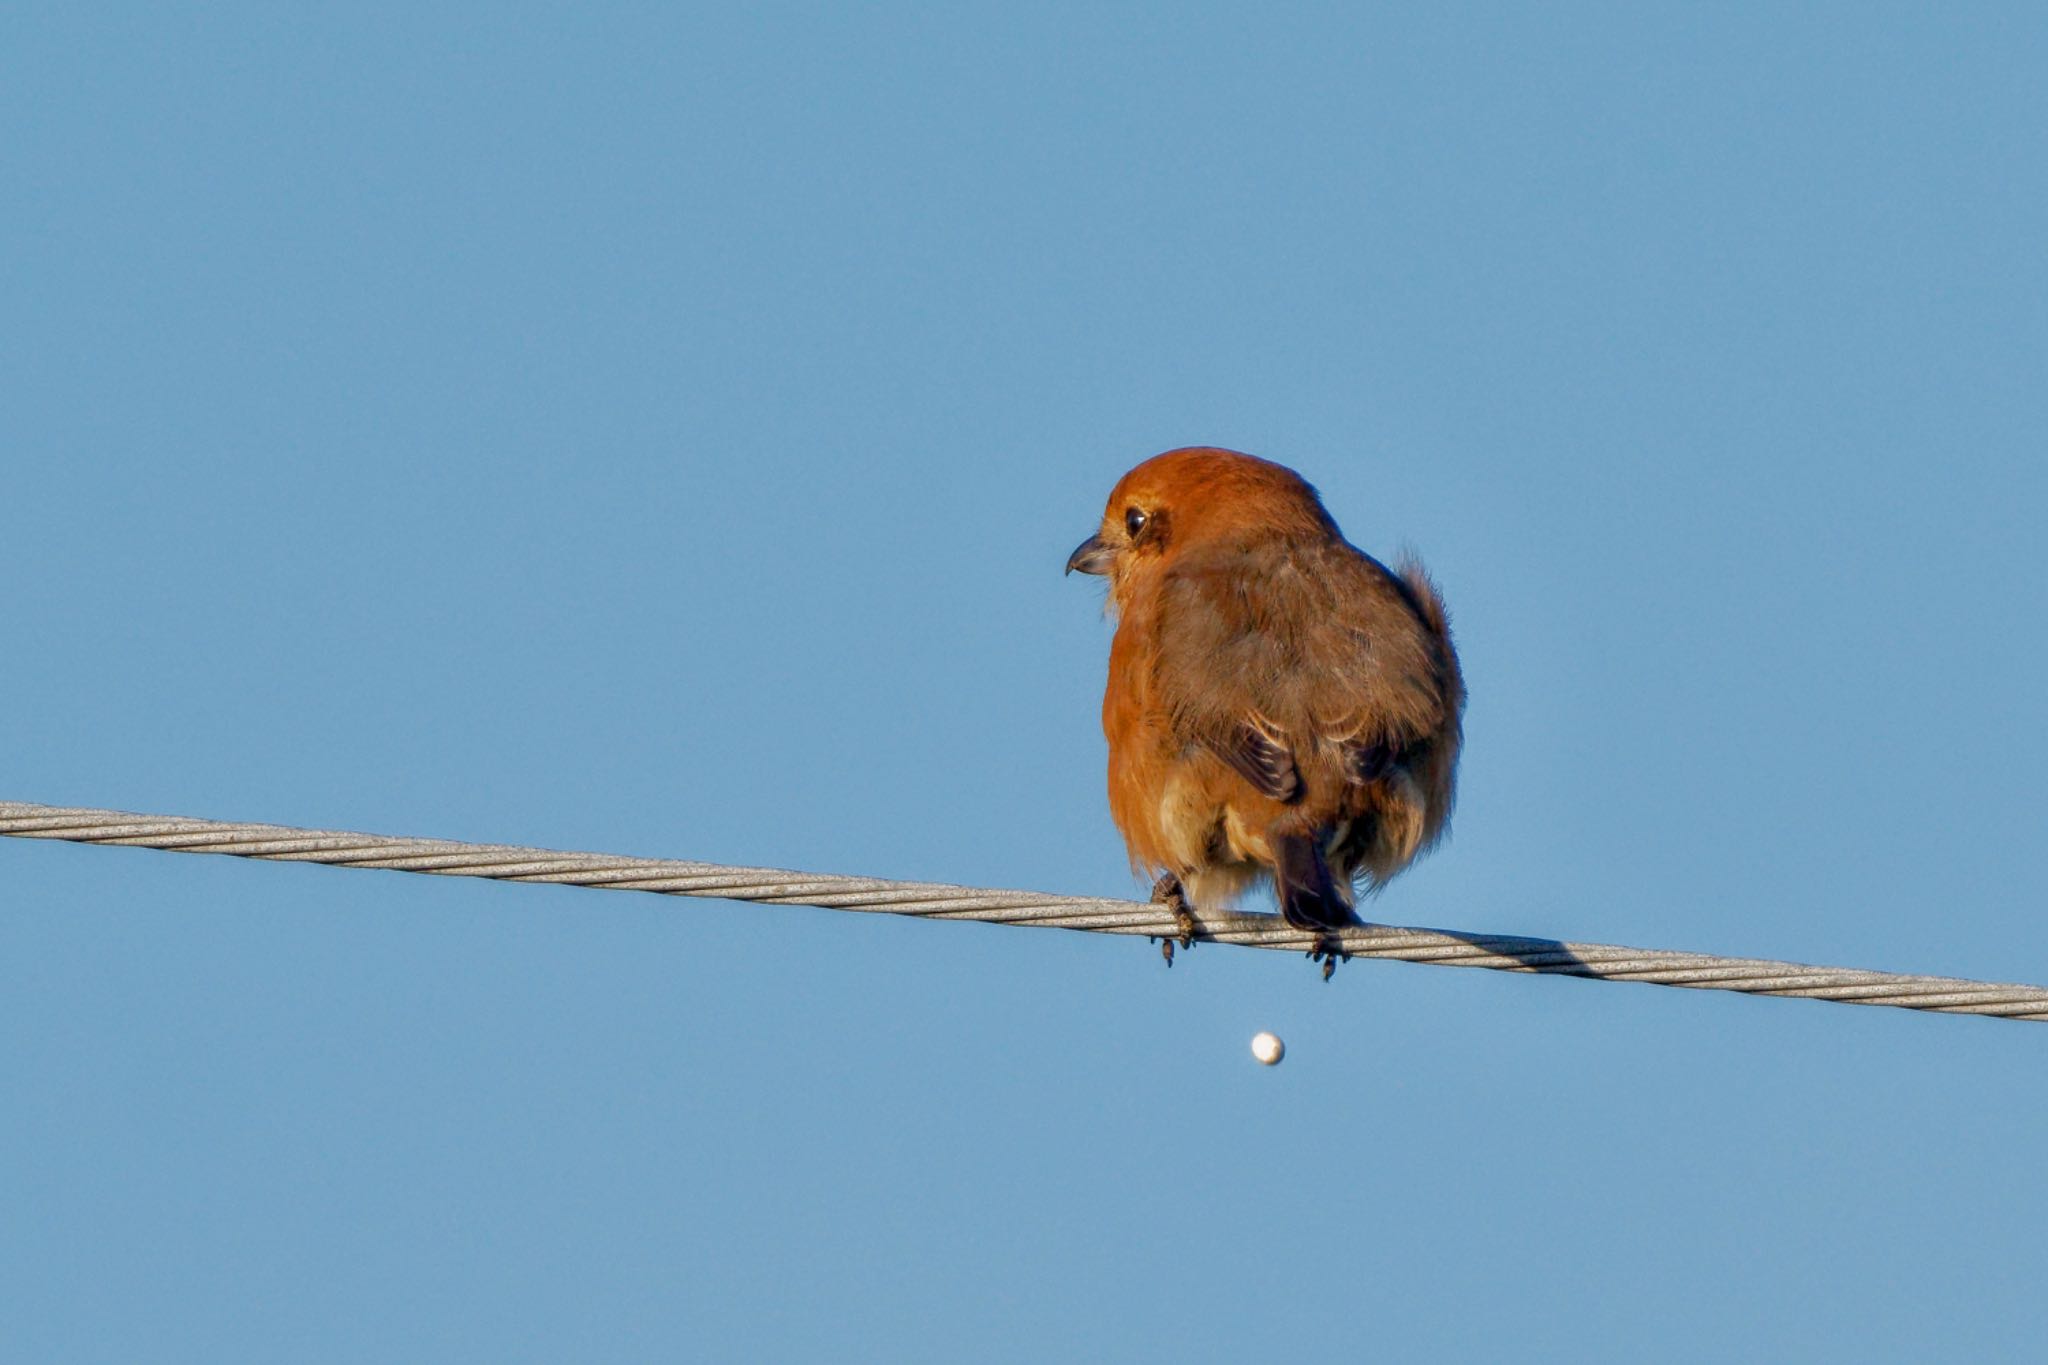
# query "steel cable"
(932, 900)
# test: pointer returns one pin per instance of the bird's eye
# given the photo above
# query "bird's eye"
(1134, 522)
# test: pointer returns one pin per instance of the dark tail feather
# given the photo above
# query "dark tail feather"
(1309, 898)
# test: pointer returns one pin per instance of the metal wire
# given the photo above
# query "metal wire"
(933, 900)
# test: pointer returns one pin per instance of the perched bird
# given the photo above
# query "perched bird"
(1280, 704)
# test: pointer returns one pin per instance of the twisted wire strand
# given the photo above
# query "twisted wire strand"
(934, 900)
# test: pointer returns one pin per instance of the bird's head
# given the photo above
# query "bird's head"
(1199, 496)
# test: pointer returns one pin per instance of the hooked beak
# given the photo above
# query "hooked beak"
(1090, 556)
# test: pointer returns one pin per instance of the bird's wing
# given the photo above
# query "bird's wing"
(1260, 757)
(1269, 651)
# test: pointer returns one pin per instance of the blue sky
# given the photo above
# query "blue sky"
(660, 429)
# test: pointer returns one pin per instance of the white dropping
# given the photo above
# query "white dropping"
(1268, 1048)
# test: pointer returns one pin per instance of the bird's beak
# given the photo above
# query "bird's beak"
(1090, 556)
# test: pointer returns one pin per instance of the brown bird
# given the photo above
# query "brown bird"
(1280, 704)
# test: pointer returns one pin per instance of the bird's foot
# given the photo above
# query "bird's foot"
(1167, 891)
(1329, 952)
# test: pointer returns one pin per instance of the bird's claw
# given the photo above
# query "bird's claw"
(1167, 891)
(1329, 952)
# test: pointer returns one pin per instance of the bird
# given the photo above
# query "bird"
(1281, 707)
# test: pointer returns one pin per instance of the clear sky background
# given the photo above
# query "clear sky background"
(659, 429)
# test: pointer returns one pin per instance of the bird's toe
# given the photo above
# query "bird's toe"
(1169, 892)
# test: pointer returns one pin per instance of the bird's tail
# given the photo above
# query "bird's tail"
(1429, 603)
(1309, 896)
